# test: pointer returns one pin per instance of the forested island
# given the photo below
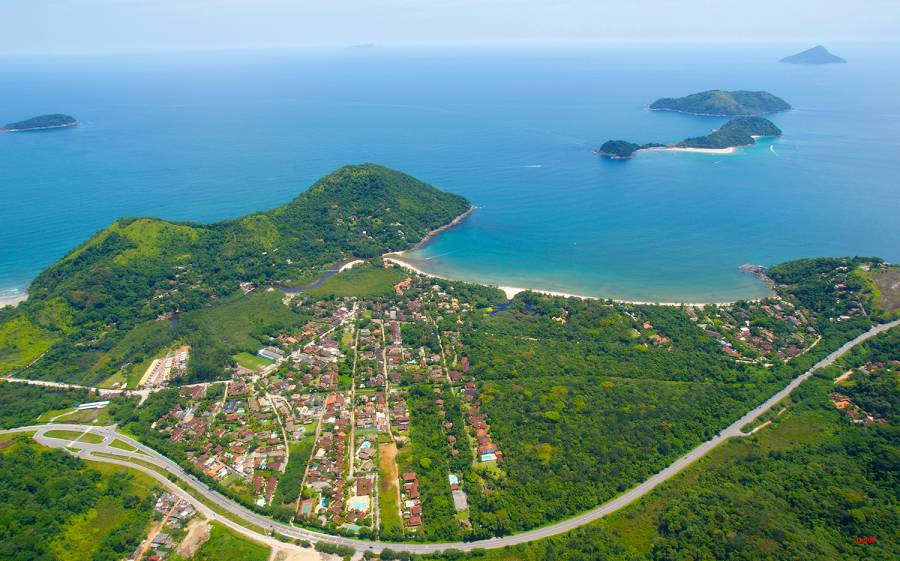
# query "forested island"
(815, 55)
(622, 149)
(722, 103)
(736, 132)
(54, 121)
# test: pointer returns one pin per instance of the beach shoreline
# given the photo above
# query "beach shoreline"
(67, 125)
(729, 150)
(13, 301)
(512, 291)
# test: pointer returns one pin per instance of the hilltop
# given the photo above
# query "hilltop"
(815, 55)
(54, 121)
(137, 270)
(723, 103)
(734, 133)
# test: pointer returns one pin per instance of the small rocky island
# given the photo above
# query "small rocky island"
(622, 149)
(720, 103)
(742, 131)
(815, 55)
(41, 122)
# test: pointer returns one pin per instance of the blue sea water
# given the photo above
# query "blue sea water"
(209, 136)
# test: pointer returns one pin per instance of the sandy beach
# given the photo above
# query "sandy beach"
(12, 300)
(729, 150)
(512, 291)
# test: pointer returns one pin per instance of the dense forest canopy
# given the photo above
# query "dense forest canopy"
(736, 132)
(724, 103)
(42, 122)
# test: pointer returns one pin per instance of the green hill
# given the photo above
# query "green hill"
(815, 55)
(736, 132)
(723, 103)
(79, 311)
(622, 149)
(55, 121)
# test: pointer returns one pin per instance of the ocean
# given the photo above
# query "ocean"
(214, 135)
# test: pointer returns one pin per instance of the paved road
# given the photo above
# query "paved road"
(86, 450)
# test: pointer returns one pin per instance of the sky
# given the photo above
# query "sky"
(87, 26)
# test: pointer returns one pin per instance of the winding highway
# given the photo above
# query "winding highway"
(108, 434)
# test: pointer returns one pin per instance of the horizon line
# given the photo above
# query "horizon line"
(370, 46)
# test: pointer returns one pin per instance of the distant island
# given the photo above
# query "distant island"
(815, 55)
(721, 103)
(622, 149)
(54, 121)
(737, 132)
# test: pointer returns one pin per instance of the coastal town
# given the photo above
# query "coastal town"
(319, 422)
(363, 418)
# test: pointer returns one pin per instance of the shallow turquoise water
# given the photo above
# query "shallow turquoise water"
(209, 136)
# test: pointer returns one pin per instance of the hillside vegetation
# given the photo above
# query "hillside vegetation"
(811, 486)
(139, 273)
(53, 506)
(42, 122)
(736, 132)
(724, 103)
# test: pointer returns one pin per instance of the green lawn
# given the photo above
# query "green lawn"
(141, 483)
(361, 281)
(122, 445)
(89, 438)
(117, 378)
(388, 484)
(136, 372)
(251, 362)
(226, 545)
(93, 416)
(45, 417)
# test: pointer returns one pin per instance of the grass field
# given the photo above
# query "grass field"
(45, 417)
(234, 323)
(888, 283)
(388, 488)
(21, 342)
(226, 545)
(361, 281)
(121, 445)
(89, 438)
(251, 362)
(137, 371)
(113, 381)
(92, 416)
